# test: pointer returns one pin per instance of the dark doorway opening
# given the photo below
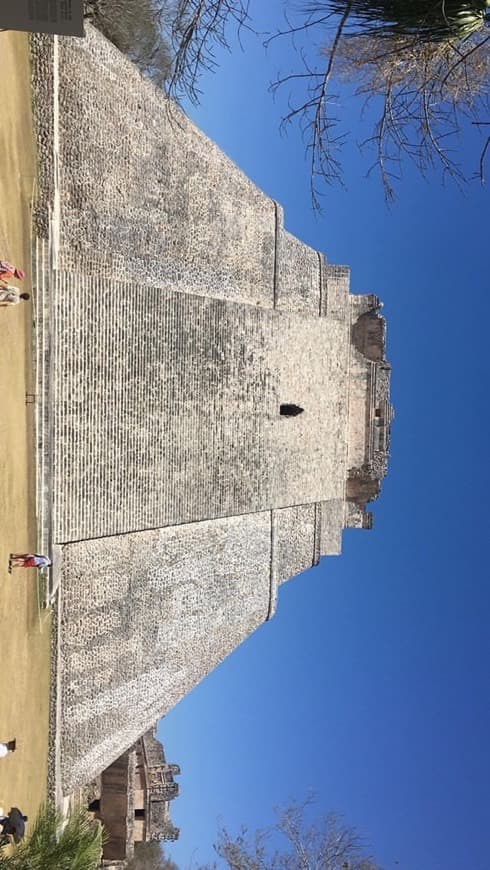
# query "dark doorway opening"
(288, 410)
(139, 814)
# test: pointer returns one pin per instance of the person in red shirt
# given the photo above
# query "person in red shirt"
(28, 560)
(7, 271)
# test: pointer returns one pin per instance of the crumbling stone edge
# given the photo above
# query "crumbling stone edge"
(53, 783)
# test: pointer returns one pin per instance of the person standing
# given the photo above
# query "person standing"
(7, 271)
(14, 825)
(28, 560)
(7, 748)
(11, 296)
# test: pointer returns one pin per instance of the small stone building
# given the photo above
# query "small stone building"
(135, 795)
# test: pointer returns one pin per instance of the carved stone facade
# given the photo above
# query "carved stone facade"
(135, 795)
(180, 320)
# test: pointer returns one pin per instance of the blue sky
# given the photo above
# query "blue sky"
(370, 686)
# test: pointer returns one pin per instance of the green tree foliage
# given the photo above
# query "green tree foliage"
(149, 856)
(427, 20)
(74, 844)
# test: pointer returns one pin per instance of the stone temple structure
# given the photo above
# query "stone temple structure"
(215, 402)
(136, 791)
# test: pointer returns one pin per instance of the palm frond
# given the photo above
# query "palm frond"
(427, 20)
(71, 844)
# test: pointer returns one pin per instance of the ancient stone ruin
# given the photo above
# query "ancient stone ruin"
(215, 402)
(136, 791)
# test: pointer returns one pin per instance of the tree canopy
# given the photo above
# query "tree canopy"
(149, 856)
(74, 843)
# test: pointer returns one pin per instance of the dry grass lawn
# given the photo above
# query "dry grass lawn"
(24, 631)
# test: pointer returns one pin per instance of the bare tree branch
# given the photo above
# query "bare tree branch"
(424, 91)
(197, 28)
(325, 844)
(422, 66)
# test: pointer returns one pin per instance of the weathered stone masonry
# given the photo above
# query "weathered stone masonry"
(181, 315)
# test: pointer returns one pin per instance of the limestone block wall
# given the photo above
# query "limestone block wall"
(359, 408)
(43, 98)
(144, 194)
(356, 517)
(144, 617)
(310, 356)
(338, 282)
(332, 523)
(142, 191)
(296, 537)
(166, 408)
(161, 403)
(299, 285)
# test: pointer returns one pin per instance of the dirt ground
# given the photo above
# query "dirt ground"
(24, 629)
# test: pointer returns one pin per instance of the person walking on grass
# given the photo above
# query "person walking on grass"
(7, 748)
(14, 825)
(7, 271)
(11, 296)
(28, 560)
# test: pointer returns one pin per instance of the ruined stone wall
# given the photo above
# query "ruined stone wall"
(43, 93)
(338, 297)
(142, 191)
(296, 540)
(310, 355)
(115, 787)
(332, 523)
(359, 408)
(144, 194)
(368, 336)
(299, 285)
(144, 617)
